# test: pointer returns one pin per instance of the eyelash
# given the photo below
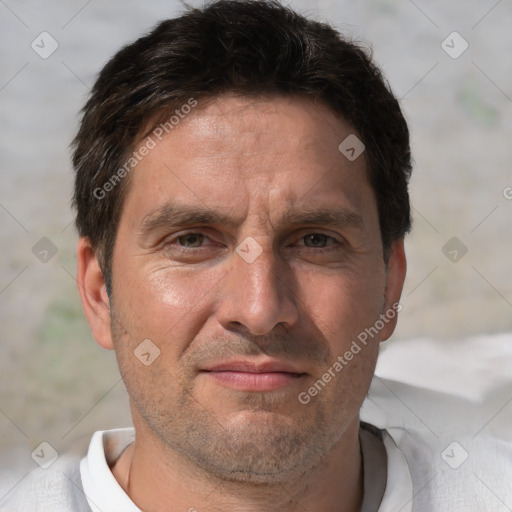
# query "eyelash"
(172, 242)
(313, 250)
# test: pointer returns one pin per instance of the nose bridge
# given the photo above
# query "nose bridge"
(256, 293)
(257, 268)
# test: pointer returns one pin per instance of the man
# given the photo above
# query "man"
(241, 196)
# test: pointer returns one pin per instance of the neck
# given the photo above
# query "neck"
(159, 480)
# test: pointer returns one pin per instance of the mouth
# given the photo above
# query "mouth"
(251, 376)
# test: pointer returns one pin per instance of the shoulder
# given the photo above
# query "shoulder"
(56, 489)
(444, 404)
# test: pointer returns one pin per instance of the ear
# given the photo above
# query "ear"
(93, 293)
(395, 276)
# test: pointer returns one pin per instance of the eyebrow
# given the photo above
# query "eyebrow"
(173, 214)
(334, 217)
(182, 215)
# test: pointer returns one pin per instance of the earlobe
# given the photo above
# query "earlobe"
(93, 293)
(395, 277)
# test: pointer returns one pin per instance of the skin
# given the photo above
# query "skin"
(201, 442)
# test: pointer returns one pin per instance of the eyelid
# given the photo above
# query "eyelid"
(314, 231)
(331, 245)
(175, 236)
(336, 239)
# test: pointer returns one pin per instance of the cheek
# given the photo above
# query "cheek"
(343, 305)
(343, 308)
(165, 305)
(168, 309)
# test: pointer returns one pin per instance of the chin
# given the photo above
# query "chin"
(263, 448)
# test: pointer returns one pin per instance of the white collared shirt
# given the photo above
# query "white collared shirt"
(104, 494)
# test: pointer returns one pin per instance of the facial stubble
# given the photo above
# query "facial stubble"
(259, 444)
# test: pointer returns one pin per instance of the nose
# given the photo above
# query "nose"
(257, 296)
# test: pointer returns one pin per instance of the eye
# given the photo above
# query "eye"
(316, 240)
(189, 246)
(191, 240)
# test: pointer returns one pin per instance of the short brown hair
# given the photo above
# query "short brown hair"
(249, 47)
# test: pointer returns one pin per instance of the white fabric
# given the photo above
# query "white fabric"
(448, 406)
(57, 489)
(103, 492)
(399, 491)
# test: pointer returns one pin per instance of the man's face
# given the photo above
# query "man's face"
(249, 253)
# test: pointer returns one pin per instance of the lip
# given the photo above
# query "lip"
(254, 376)
(268, 366)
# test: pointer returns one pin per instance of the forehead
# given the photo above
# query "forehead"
(250, 154)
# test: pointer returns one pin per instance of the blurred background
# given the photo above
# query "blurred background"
(450, 64)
